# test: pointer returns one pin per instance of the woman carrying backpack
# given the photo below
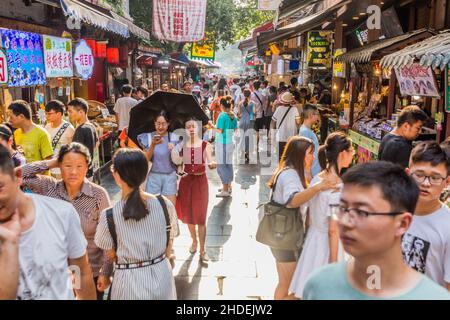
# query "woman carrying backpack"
(138, 232)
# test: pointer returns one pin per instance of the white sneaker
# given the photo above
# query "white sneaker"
(223, 194)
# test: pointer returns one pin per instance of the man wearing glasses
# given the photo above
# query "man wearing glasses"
(376, 209)
(426, 245)
(61, 132)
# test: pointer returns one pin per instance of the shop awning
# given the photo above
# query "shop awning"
(365, 53)
(206, 63)
(433, 52)
(88, 14)
(290, 7)
(134, 29)
(302, 25)
(245, 44)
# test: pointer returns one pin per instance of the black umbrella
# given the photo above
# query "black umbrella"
(179, 107)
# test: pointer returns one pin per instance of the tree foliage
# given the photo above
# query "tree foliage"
(227, 21)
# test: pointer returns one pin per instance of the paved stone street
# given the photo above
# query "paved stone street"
(245, 266)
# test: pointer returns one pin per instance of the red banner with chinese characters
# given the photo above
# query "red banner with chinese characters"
(179, 20)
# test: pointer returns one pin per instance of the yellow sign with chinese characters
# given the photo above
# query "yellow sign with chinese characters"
(202, 51)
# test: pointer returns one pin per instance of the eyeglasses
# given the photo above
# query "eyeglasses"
(357, 215)
(161, 124)
(435, 180)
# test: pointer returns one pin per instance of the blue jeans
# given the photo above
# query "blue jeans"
(224, 156)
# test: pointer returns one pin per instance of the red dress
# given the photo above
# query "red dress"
(193, 193)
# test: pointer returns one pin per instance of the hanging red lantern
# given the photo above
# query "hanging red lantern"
(92, 44)
(112, 55)
(101, 49)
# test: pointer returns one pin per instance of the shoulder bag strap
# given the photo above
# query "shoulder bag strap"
(111, 226)
(59, 134)
(275, 183)
(259, 99)
(166, 215)
(289, 109)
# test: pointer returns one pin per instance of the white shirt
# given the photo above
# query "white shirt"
(259, 99)
(45, 248)
(288, 184)
(123, 107)
(426, 245)
(289, 126)
(66, 138)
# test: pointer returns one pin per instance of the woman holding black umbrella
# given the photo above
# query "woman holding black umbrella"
(162, 177)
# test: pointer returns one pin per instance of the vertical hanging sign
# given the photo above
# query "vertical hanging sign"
(179, 20)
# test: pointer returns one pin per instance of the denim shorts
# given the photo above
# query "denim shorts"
(161, 183)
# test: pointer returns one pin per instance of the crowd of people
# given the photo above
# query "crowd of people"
(383, 216)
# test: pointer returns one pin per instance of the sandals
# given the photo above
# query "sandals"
(193, 249)
(204, 257)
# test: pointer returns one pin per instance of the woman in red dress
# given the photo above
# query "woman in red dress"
(192, 199)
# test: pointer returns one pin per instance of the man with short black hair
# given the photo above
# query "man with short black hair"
(61, 132)
(85, 132)
(396, 146)
(376, 209)
(123, 107)
(34, 140)
(41, 238)
(311, 116)
(426, 244)
(141, 93)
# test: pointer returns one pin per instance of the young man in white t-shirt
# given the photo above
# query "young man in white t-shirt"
(123, 107)
(48, 239)
(61, 132)
(426, 245)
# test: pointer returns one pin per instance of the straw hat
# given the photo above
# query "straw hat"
(287, 98)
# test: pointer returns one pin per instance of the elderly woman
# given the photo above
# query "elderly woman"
(88, 199)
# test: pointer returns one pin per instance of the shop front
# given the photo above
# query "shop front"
(372, 98)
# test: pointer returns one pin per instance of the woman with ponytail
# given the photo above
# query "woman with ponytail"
(137, 235)
(322, 244)
(226, 124)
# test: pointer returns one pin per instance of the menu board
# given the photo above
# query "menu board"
(25, 57)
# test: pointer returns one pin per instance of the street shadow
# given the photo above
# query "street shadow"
(218, 229)
(188, 289)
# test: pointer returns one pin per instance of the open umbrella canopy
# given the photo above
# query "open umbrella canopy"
(179, 107)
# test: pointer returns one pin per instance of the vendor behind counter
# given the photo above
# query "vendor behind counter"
(396, 146)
